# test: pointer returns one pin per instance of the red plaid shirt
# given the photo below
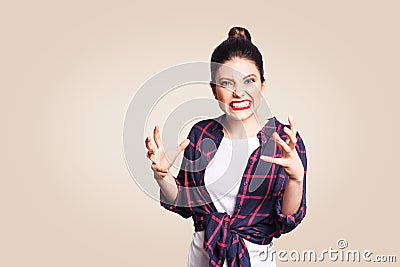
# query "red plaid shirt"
(258, 213)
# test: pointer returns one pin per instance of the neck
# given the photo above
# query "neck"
(242, 129)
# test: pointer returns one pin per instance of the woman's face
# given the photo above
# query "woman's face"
(239, 88)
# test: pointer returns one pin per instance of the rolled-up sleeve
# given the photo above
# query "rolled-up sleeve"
(178, 206)
(287, 223)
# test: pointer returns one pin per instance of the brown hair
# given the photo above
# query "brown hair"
(239, 32)
(238, 44)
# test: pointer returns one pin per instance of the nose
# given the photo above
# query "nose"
(238, 91)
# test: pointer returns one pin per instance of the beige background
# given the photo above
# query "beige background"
(70, 68)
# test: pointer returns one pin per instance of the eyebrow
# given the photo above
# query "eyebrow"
(244, 78)
(249, 76)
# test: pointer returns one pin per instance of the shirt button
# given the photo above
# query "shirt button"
(240, 206)
(245, 183)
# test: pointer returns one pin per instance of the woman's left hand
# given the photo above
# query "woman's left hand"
(290, 160)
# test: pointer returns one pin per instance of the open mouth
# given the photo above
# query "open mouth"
(240, 105)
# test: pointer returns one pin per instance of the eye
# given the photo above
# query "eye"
(250, 80)
(226, 84)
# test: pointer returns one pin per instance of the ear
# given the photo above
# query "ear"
(214, 90)
(263, 85)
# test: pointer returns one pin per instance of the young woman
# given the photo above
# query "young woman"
(243, 177)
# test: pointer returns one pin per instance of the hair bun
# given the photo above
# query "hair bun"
(239, 32)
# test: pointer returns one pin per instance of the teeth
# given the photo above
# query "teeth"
(240, 104)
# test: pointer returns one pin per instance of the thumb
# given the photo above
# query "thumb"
(272, 160)
(180, 148)
(183, 145)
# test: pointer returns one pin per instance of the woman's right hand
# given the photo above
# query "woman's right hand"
(160, 162)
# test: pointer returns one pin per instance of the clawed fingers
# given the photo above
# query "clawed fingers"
(157, 137)
(151, 156)
(152, 150)
(291, 137)
(150, 145)
(282, 144)
(179, 149)
(292, 125)
(157, 168)
(160, 161)
(279, 161)
(183, 145)
(157, 143)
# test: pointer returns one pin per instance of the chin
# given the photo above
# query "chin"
(239, 116)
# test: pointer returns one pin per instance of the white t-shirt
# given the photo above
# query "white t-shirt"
(222, 179)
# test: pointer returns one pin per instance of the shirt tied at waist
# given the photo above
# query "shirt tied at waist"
(222, 242)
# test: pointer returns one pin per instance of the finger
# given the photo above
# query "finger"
(183, 145)
(157, 168)
(179, 149)
(287, 141)
(292, 125)
(149, 144)
(291, 136)
(150, 156)
(279, 161)
(282, 144)
(157, 137)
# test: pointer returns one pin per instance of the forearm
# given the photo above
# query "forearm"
(292, 196)
(168, 187)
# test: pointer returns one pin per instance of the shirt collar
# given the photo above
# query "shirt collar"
(263, 134)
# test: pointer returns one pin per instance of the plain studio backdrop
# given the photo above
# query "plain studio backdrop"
(69, 70)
